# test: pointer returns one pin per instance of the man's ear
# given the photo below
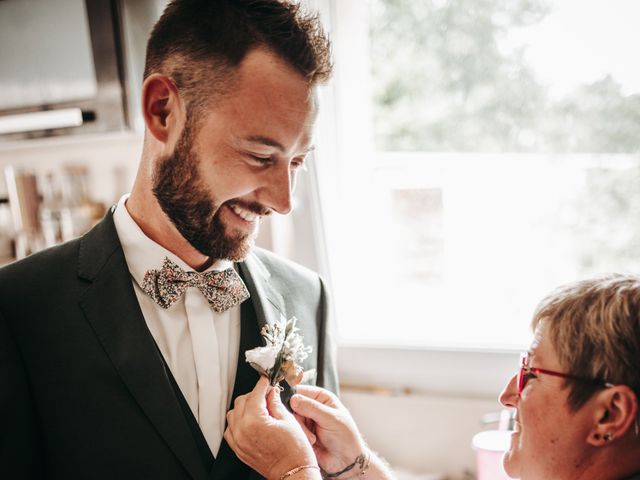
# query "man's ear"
(162, 106)
(615, 414)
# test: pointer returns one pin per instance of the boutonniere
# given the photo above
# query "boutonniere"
(281, 357)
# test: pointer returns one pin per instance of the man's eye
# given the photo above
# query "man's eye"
(260, 160)
(299, 164)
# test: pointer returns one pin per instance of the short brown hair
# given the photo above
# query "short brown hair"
(594, 326)
(199, 43)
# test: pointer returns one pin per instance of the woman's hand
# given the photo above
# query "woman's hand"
(265, 436)
(338, 442)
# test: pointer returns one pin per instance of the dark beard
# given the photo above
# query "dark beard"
(178, 188)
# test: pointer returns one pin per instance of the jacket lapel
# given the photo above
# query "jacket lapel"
(269, 308)
(112, 309)
(265, 306)
(268, 303)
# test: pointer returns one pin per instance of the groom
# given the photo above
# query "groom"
(121, 352)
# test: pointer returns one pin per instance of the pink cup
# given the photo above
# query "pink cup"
(490, 447)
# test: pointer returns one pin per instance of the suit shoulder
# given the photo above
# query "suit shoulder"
(41, 265)
(279, 266)
(81, 257)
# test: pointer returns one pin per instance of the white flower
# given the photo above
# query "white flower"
(262, 357)
(280, 359)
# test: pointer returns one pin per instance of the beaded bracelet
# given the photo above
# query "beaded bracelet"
(293, 471)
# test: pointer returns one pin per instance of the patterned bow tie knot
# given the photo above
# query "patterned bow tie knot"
(223, 289)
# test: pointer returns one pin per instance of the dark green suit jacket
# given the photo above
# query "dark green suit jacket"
(84, 392)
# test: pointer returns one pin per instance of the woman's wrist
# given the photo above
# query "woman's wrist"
(373, 468)
(297, 465)
(302, 472)
(358, 466)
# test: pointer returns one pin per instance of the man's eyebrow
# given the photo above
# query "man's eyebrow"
(272, 143)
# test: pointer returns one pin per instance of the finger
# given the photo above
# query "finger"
(239, 404)
(233, 444)
(257, 398)
(319, 394)
(275, 406)
(309, 434)
(311, 425)
(231, 441)
(262, 385)
(322, 414)
(230, 417)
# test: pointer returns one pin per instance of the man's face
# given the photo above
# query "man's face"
(239, 162)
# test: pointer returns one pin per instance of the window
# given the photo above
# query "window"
(486, 151)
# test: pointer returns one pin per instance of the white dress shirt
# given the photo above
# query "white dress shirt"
(199, 345)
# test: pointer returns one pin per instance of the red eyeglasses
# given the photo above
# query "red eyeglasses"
(526, 373)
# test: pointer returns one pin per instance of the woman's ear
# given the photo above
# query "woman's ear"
(162, 106)
(615, 414)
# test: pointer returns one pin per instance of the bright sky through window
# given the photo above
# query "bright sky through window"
(505, 161)
(579, 41)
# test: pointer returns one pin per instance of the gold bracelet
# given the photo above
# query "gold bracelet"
(293, 471)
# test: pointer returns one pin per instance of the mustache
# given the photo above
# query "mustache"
(253, 207)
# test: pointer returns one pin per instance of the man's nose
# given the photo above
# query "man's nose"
(279, 189)
(509, 395)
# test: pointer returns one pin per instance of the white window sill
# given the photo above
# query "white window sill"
(434, 371)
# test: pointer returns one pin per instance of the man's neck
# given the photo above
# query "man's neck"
(155, 224)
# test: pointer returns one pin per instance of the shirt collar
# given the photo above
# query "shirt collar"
(142, 253)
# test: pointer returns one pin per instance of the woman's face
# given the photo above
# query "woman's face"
(549, 438)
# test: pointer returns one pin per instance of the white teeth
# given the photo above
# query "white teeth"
(245, 214)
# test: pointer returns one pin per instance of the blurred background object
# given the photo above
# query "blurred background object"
(491, 445)
(67, 207)
(24, 203)
(62, 68)
(6, 231)
(48, 210)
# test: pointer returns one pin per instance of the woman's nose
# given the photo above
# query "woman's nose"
(509, 395)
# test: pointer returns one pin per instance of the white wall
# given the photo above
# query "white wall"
(420, 408)
(423, 433)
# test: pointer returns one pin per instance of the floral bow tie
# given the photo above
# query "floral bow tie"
(222, 290)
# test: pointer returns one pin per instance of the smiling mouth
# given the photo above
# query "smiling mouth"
(516, 426)
(246, 215)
